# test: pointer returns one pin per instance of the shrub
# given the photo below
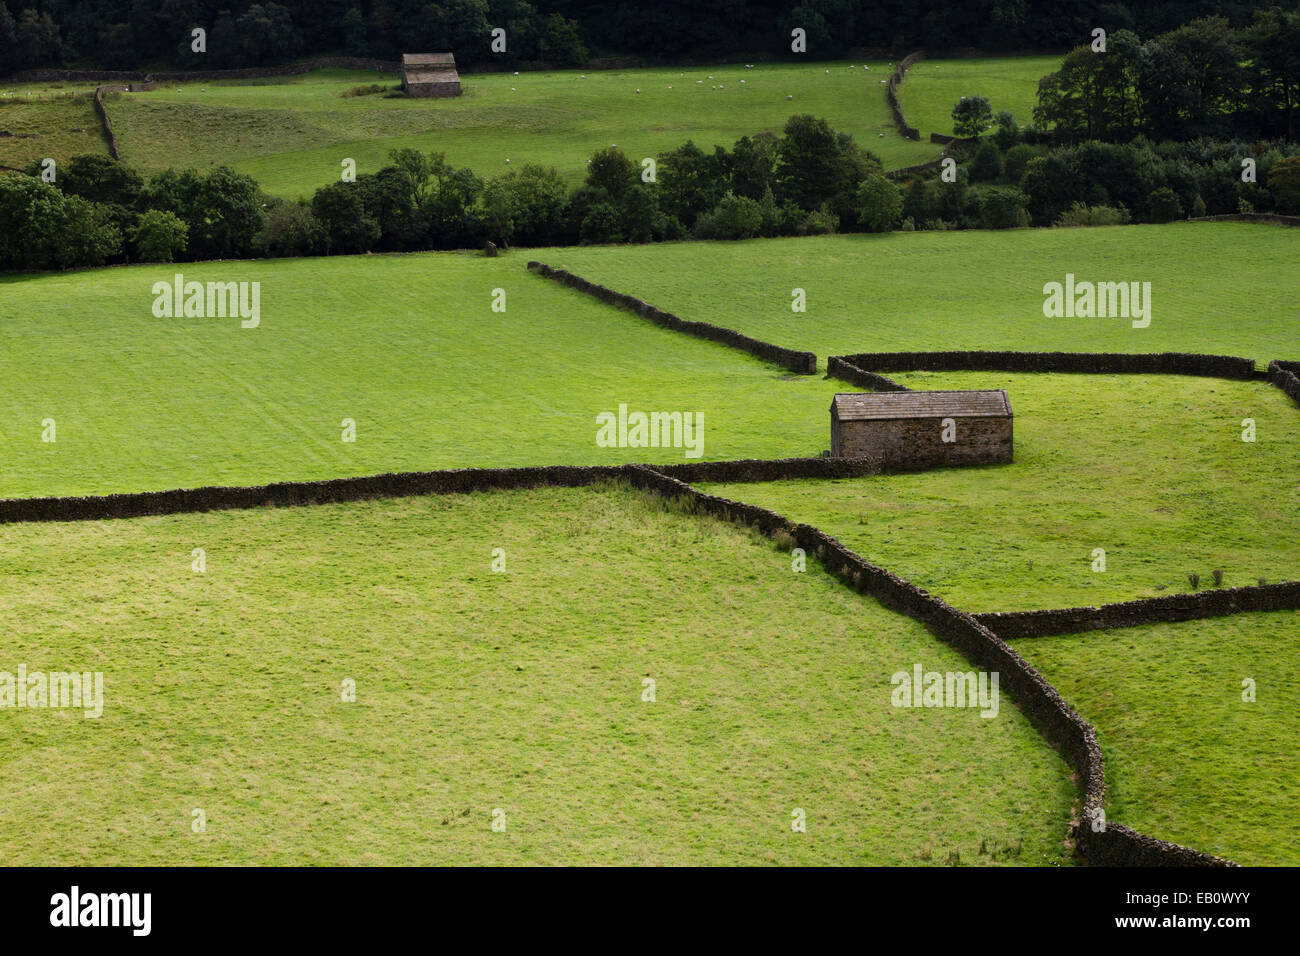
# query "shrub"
(159, 236)
(1198, 207)
(971, 116)
(290, 230)
(611, 169)
(1007, 133)
(997, 207)
(601, 223)
(736, 217)
(1284, 180)
(1082, 215)
(880, 204)
(1018, 158)
(342, 215)
(819, 222)
(987, 164)
(1163, 205)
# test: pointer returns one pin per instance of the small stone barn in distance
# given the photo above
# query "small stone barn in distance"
(430, 74)
(914, 430)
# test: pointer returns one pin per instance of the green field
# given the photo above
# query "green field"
(1186, 758)
(1215, 287)
(408, 347)
(476, 691)
(1152, 469)
(48, 123)
(292, 133)
(932, 88)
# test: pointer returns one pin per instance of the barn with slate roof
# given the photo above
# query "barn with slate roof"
(914, 430)
(430, 74)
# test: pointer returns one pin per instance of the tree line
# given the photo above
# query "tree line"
(1204, 79)
(143, 34)
(810, 180)
(97, 210)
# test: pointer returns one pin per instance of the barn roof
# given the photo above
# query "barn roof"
(428, 60)
(862, 406)
(429, 68)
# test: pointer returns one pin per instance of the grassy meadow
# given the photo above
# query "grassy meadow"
(1186, 758)
(932, 88)
(476, 691)
(48, 122)
(1215, 287)
(1152, 469)
(407, 346)
(292, 133)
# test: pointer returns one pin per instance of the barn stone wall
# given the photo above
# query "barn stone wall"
(915, 443)
(432, 90)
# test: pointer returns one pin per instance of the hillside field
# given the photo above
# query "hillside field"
(477, 691)
(1186, 758)
(51, 122)
(1215, 287)
(932, 88)
(406, 346)
(292, 133)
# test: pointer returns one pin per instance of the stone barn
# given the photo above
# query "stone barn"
(430, 74)
(914, 430)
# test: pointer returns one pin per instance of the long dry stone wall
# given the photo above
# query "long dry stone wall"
(405, 484)
(795, 361)
(1174, 607)
(102, 113)
(1093, 363)
(891, 93)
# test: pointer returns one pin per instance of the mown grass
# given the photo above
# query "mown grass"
(408, 347)
(54, 124)
(1215, 287)
(293, 133)
(1152, 469)
(1187, 759)
(477, 690)
(932, 88)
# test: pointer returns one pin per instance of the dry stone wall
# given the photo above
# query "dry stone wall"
(795, 361)
(1174, 607)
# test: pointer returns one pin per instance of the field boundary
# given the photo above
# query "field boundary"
(1092, 363)
(796, 361)
(891, 95)
(838, 367)
(1101, 843)
(1286, 376)
(1217, 602)
(140, 504)
(107, 124)
(1272, 217)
